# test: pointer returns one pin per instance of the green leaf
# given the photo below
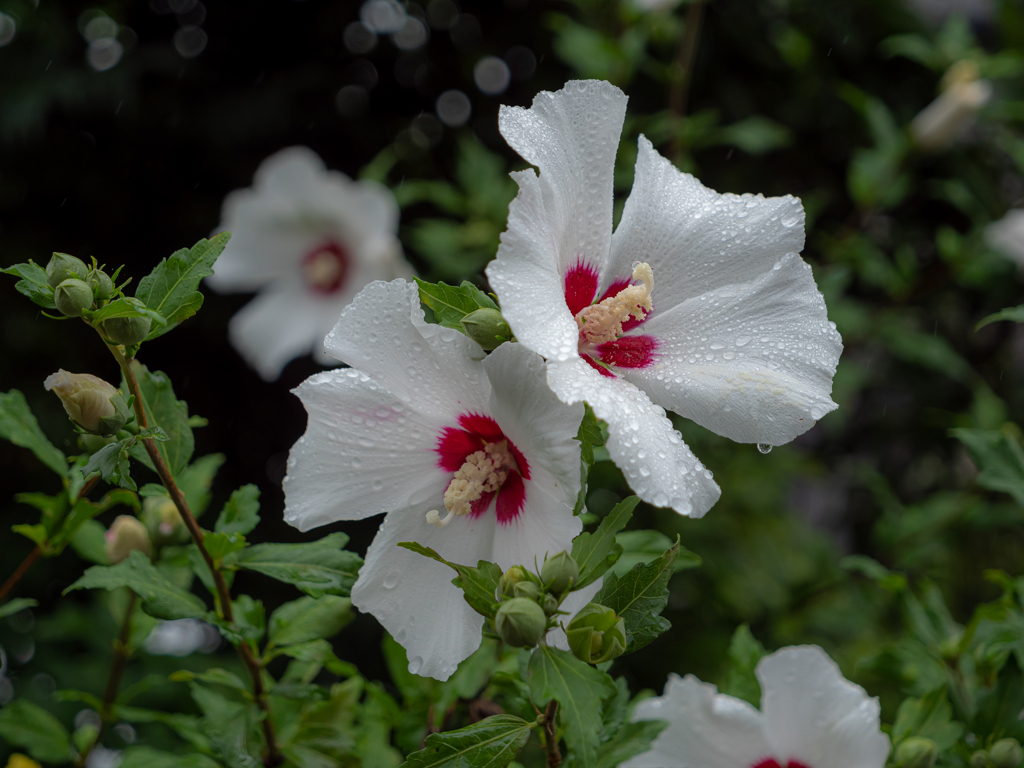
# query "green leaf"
(646, 546)
(195, 481)
(639, 597)
(491, 743)
(1016, 314)
(756, 135)
(241, 513)
(164, 410)
(111, 462)
(213, 676)
(160, 597)
(145, 757)
(744, 653)
(450, 303)
(232, 727)
(596, 552)
(308, 619)
(321, 567)
(579, 689)
(477, 584)
(27, 725)
(630, 740)
(317, 654)
(32, 283)
(170, 289)
(90, 542)
(999, 457)
(18, 425)
(218, 545)
(929, 717)
(84, 511)
(12, 607)
(125, 307)
(36, 533)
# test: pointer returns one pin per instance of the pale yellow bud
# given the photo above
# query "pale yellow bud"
(163, 520)
(20, 761)
(91, 402)
(125, 536)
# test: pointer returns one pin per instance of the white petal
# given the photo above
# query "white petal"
(434, 369)
(752, 362)
(813, 715)
(572, 605)
(346, 465)
(528, 278)
(572, 136)
(1007, 235)
(280, 325)
(658, 465)
(706, 729)
(412, 595)
(694, 238)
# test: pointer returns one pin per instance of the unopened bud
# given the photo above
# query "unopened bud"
(73, 297)
(510, 578)
(526, 589)
(92, 403)
(550, 605)
(979, 759)
(127, 330)
(62, 267)
(101, 284)
(125, 536)
(596, 634)
(1006, 753)
(163, 520)
(559, 572)
(917, 752)
(487, 328)
(520, 622)
(92, 443)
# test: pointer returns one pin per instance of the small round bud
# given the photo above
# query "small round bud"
(917, 752)
(92, 403)
(520, 622)
(63, 267)
(101, 284)
(163, 521)
(550, 605)
(92, 443)
(559, 572)
(596, 634)
(73, 297)
(979, 759)
(510, 578)
(526, 589)
(127, 330)
(1006, 753)
(125, 536)
(487, 328)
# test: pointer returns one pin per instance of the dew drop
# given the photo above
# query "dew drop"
(764, 447)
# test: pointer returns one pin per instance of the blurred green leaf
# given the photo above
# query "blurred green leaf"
(308, 619)
(491, 743)
(1016, 314)
(146, 757)
(745, 651)
(646, 546)
(999, 457)
(596, 552)
(18, 425)
(322, 567)
(756, 135)
(164, 410)
(17, 604)
(27, 725)
(929, 717)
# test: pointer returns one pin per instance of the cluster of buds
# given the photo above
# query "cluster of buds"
(77, 288)
(91, 403)
(530, 604)
(1005, 753)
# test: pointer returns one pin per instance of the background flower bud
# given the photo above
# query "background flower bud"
(101, 284)
(73, 297)
(559, 572)
(92, 403)
(63, 267)
(125, 536)
(526, 589)
(127, 330)
(1006, 753)
(520, 622)
(510, 578)
(979, 759)
(487, 328)
(596, 634)
(917, 752)
(549, 604)
(163, 521)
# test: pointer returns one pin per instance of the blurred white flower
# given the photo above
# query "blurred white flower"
(810, 717)
(947, 119)
(1007, 235)
(308, 240)
(699, 302)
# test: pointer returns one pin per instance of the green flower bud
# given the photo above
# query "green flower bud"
(596, 634)
(550, 605)
(520, 622)
(163, 521)
(559, 572)
(917, 752)
(487, 328)
(979, 759)
(526, 589)
(73, 297)
(510, 578)
(63, 267)
(1006, 753)
(125, 536)
(92, 443)
(127, 330)
(89, 401)
(101, 284)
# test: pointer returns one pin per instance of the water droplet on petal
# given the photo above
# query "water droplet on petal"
(764, 447)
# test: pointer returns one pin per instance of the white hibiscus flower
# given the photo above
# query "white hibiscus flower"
(724, 324)
(422, 425)
(810, 717)
(308, 240)
(1007, 235)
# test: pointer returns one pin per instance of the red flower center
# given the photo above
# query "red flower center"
(325, 267)
(581, 283)
(454, 446)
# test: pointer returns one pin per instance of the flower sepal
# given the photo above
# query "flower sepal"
(596, 634)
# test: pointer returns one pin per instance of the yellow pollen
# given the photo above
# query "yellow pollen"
(323, 269)
(603, 321)
(483, 472)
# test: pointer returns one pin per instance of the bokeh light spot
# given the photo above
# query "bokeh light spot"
(382, 16)
(104, 53)
(190, 41)
(412, 36)
(352, 101)
(8, 29)
(521, 62)
(359, 38)
(453, 108)
(491, 75)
